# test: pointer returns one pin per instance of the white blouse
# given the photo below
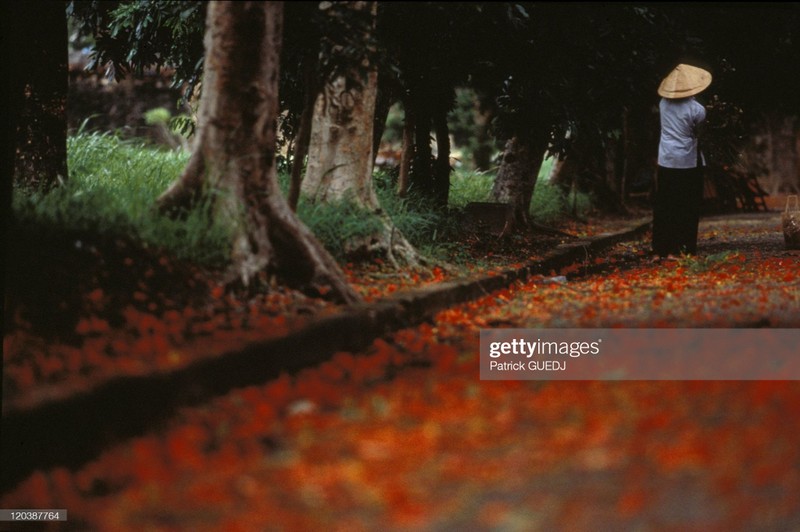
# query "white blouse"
(678, 145)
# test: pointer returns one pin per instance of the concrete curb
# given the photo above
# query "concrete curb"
(73, 429)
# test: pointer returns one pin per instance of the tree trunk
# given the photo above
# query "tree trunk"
(797, 154)
(235, 153)
(556, 169)
(627, 155)
(40, 94)
(516, 179)
(608, 164)
(484, 144)
(382, 106)
(340, 158)
(340, 150)
(420, 177)
(783, 163)
(13, 89)
(441, 171)
(303, 136)
(408, 153)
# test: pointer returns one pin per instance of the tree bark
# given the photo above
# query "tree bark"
(797, 154)
(783, 161)
(441, 171)
(408, 153)
(40, 94)
(608, 191)
(382, 105)
(340, 150)
(421, 176)
(627, 156)
(483, 144)
(516, 179)
(235, 154)
(12, 88)
(303, 137)
(340, 160)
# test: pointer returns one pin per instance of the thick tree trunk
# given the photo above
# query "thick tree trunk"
(516, 179)
(340, 151)
(235, 153)
(40, 94)
(408, 153)
(340, 160)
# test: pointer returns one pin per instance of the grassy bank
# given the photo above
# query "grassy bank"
(113, 185)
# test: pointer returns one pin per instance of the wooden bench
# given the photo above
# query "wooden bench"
(727, 190)
(751, 194)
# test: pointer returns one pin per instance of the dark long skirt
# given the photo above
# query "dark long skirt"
(676, 210)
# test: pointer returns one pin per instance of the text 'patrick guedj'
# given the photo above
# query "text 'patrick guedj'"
(519, 347)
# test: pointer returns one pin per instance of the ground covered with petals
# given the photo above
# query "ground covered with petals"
(404, 435)
(83, 307)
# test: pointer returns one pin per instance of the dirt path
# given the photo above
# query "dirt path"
(405, 436)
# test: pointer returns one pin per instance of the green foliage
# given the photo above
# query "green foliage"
(175, 130)
(550, 204)
(138, 35)
(348, 38)
(183, 125)
(466, 187)
(337, 223)
(722, 134)
(114, 184)
(750, 73)
(578, 85)
(321, 40)
(112, 189)
(469, 125)
(393, 130)
(157, 116)
(695, 264)
(421, 224)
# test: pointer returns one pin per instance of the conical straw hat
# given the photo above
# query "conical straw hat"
(684, 81)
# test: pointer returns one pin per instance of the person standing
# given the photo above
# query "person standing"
(679, 180)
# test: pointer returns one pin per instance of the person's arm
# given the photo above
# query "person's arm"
(698, 118)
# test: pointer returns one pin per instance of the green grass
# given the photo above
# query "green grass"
(466, 187)
(113, 185)
(112, 188)
(696, 264)
(549, 204)
(336, 223)
(425, 228)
